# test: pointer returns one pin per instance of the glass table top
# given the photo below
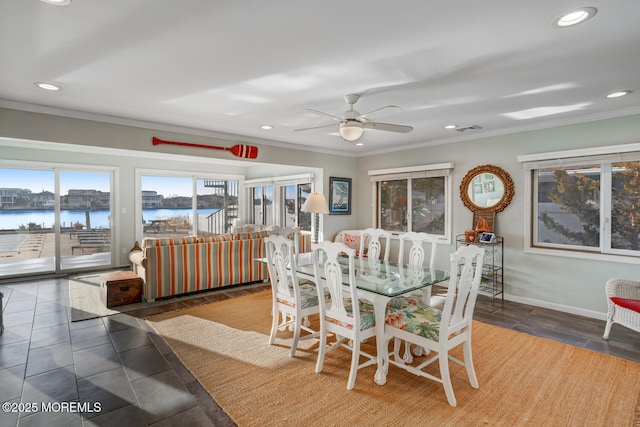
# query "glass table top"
(382, 277)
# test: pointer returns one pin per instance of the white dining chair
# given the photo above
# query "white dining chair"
(416, 254)
(440, 330)
(346, 316)
(290, 233)
(413, 243)
(292, 300)
(371, 237)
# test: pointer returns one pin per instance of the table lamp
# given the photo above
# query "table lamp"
(316, 204)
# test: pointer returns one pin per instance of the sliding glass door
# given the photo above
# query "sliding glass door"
(27, 221)
(54, 220)
(85, 219)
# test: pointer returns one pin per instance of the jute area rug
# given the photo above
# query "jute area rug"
(524, 380)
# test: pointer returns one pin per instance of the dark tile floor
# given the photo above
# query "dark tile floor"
(120, 363)
(117, 362)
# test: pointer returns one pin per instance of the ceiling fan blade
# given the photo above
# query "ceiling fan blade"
(389, 110)
(316, 127)
(324, 114)
(387, 126)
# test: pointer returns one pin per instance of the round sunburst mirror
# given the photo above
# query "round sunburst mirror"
(486, 188)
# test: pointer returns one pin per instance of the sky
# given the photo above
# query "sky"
(43, 180)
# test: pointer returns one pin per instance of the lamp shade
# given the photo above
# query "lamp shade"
(351, 130)
(316, 203)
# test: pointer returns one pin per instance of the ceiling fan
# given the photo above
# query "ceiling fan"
(352, 123)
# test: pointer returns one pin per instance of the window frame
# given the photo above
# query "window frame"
(409, 173)
(279, 185)
(264, 207)
(604, 157)
(194, 177)
(297, 203)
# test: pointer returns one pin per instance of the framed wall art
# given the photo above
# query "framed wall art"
(339, 196)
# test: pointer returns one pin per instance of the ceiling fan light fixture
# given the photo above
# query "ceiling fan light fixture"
(351, 130)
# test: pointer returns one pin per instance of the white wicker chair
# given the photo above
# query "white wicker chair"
(623, 301)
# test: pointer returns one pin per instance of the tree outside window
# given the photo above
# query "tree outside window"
(572, 200)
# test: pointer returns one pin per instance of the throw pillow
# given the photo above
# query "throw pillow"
(631, 304)
(353, 241)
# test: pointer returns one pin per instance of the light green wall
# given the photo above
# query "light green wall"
(550, 280)
(564, 283)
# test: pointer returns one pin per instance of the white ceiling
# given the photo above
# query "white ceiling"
(229, 67)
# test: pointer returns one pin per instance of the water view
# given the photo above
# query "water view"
(21, 218)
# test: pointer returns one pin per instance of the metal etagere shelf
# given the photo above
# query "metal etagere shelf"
(492, 283)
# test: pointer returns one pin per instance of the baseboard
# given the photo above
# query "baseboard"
(558, 307)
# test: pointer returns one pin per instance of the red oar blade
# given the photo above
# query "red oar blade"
(245, 151)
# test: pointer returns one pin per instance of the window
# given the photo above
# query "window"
(294, 197)
(262, 205)
(55, 218)
(168, 208)
(568, 207)
(587, 205)
(413, 199)
(277, 201)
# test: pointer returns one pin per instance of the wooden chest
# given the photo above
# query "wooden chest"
(120, 288)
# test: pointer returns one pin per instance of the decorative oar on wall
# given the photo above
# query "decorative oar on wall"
(238, 150)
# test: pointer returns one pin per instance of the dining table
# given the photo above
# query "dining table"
(378, 282)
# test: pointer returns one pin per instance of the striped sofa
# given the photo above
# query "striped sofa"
(174, 266)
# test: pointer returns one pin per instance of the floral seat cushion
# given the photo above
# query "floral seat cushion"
(367, 316)
(308, 296)
(404, 301)
(413, 316)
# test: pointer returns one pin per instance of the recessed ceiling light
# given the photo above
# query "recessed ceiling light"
(57, 2)
(266, 127)
(359, 144)
(451, 126)
(619, 93)
(47, 86)
(575, 17)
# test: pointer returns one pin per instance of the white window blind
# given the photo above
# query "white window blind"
(425, 171)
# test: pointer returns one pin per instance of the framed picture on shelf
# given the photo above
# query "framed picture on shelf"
(339, 196)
